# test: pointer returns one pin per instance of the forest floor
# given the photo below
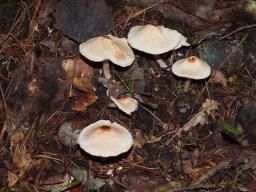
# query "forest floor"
(200, 140)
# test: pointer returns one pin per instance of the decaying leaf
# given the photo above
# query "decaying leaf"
(20, 156)
(218, 77)
(12, 179)
(82, 20)
(115, 89)
(67, 134)
(141, 139)
(55, 182)
(79, 72)
(82, 100)
(208, 108)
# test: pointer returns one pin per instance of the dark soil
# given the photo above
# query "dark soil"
(171, 152)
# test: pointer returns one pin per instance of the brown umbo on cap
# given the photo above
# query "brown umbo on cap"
(108, 47)
(155, 39)
(126, 104)
(105, 139)
(191, 67)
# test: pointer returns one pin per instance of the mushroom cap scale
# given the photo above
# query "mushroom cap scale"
(155, 39)
(108, 47)
(105, 139)
(126, 104)
(191, 67)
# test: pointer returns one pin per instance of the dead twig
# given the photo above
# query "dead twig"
(154, 115)
(119, 183)
(132, 16)
(220, 166)
(238, 30)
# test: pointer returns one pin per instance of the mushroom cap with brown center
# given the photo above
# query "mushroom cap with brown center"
(191, 67)
(126, 104)
(105, 139)
(108, 47)
(155, 39)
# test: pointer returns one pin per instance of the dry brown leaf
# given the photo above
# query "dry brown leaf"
(141, 139)
(82, 100)
(56, 181)
(12, 179)
(187, 166)
(218, 77)
(210, 106)
(198, 172)
(20, 156)
(81, 76)
(194, 173)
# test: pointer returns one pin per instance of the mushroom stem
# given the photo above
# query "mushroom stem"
(160, 61)
(171, 60)
(106, 71)
(186, 86)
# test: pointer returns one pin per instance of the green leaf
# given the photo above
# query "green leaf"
(192, 139)
(230, 129)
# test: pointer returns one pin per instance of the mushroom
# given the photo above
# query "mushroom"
(192, 68)
(155, 40)
(108, 47)
(126, 104)
(105, 139)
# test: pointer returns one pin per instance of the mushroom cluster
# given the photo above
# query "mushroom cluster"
(106, 139)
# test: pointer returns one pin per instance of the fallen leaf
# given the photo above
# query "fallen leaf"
(56, 182)
(79, 72)
(218, 77)
(50, 44)
(187, 166)
(141, 139)
(82, 20)
(246, 117)
(82, 100)
(210, 106)
(20, 156)
(12, 179)
(115, 89)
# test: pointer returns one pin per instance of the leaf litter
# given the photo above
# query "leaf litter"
(183, 141)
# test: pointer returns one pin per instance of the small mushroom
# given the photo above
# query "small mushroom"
(192, 68)
(155, 40)
(108, 47)
(105, 139)
(126, 104)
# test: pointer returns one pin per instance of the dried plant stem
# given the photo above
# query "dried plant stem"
(154, 115)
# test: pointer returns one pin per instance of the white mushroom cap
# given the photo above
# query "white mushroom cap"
(108, 47)
(105, 139)
(155, 39)
(191, 67)
(126, 104)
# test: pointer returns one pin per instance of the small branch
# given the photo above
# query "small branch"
(154, 115)
(237, 30)
(212, 172)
